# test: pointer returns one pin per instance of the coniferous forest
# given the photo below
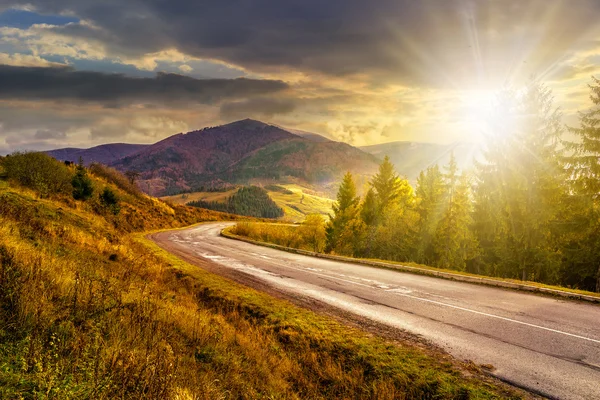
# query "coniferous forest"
(251, 201)
(530, 208)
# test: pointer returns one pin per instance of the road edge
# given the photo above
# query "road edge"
(421, 271)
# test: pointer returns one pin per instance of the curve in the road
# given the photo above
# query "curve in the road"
(548, 345)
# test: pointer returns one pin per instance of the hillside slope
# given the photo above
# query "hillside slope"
(104, 154)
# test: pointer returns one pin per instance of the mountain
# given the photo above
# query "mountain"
(315, 137)
(243, 152)
(410, 158)
(103, 154)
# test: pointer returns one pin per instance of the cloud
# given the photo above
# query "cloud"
(257, 107)
(147, 128)
(33, 83)
(427, 42)
(26, 60)
(45, 134)
(185, 68)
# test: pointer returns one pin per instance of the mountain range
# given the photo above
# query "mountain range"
(241, 152)
(253, 152)
(104, 154)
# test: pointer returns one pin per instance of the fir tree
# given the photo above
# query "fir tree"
(519, 187)
(583, 164)
(430, 206)
(387, 184)
(83, 188)
(344, 210)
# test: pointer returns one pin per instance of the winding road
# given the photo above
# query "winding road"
(548, 345)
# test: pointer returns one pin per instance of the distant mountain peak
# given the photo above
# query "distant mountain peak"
(247, 123)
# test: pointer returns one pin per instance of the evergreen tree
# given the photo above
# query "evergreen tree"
(110, 200)
(430, 206)
(454, 241)
(387, 185)
(345, 210)
(519, 187)
(83, 188)
(582, 255)
(368, 211)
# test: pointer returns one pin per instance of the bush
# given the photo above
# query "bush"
(110, 200)
(83, 188)
(38, 171)
(113, 176)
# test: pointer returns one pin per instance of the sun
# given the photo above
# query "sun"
(477, 104)
(475, 108)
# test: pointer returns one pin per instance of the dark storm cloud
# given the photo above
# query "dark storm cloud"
(423, 42)
(264, 107)
(33, 83)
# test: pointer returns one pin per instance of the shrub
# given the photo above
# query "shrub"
(38, 171)
(110, 200)
(113, 176)
(312, 232)
(83, 188)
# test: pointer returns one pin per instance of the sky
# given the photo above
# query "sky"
(78, 73)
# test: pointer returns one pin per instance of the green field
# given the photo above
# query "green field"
(295, 205)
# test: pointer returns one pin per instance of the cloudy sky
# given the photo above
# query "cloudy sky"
(84, 72)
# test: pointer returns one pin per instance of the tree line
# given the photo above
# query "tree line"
(251, 201)
(529, 210)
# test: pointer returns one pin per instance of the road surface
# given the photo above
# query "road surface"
(548, 345)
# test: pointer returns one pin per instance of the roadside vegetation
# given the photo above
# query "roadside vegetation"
(89, 308)
(530, 210)
(310, 235)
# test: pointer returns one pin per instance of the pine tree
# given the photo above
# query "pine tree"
(368, 210)
(584, 161)
(519, 187)
(454, 242)
(387, 185)
(83, 188)
(345, 210)
(430, 205)
(582, 264)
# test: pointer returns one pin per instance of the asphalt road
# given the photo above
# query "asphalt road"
(548, 345)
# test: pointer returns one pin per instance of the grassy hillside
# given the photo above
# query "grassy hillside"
(90, 309)
(296, 201)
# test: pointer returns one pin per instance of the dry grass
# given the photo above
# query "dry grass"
(90, 309)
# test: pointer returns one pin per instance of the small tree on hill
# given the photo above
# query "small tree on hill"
(132, 176)
(83, 188)
(110, 200)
